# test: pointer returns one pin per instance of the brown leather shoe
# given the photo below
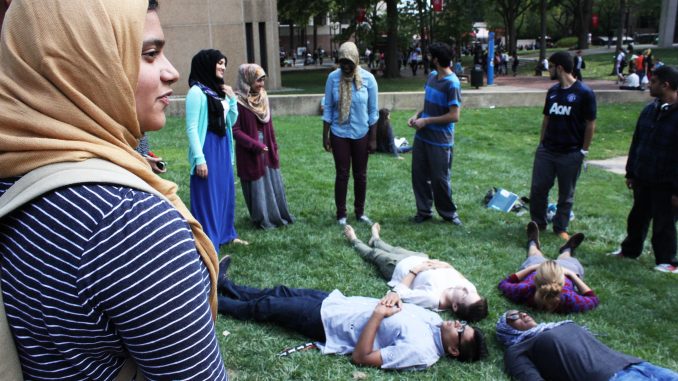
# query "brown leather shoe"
(572, 243)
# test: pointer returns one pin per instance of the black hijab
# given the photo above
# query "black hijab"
(203, 75)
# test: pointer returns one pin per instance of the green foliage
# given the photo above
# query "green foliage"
(567, 42)
(494, 147)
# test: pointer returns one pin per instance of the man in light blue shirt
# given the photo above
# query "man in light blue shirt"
(383, 333)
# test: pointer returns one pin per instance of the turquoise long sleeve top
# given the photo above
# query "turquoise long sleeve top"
(196, 124)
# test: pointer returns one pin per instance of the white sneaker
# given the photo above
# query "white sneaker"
(365, 219)
(342, 221)
(667, 268)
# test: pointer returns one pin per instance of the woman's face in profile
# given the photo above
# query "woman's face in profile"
(258, 85)
(156, 75)
(221, 68)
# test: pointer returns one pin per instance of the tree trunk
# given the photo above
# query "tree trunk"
(585, 12)
(542, 45)
(392, 56)
(542, 37)
(510, 24)
(316, 19)
(620, 30)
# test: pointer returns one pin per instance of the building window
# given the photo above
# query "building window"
(249, 40)
(262, 46)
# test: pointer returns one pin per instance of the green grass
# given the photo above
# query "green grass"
(494, 147)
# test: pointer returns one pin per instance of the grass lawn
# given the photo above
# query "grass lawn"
(494, 147)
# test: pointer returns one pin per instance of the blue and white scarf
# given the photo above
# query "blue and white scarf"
(510, 336)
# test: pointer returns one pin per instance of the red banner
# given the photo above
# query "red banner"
(361, 15)
(437, 5)
(594, 21)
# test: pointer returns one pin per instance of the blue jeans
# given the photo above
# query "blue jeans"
(296, 309)
(645, 371)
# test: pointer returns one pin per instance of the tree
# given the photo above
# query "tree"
(620, 29)
(392, 51)
(583, 10)
(510, 11)
(542, 44)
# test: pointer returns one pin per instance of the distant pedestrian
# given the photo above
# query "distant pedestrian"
(619, 63)
(514, 64)
(652, 174)
(579, 64)
(566, 134)
(414, 61)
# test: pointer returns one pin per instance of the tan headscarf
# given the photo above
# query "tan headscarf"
(255, 102)
(348, 51)
(68, 73)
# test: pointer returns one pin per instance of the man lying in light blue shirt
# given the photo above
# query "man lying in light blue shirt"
(382, 333)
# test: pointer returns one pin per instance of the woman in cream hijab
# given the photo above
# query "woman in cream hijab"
(97, 275)
(257, 152)
(350, 115)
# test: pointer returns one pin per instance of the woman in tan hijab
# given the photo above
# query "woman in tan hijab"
(256, 152)
(350, 115)
(97, 274)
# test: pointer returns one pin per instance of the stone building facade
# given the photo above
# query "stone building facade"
(244, 30)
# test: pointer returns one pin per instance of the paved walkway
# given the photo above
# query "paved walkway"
(615, 165)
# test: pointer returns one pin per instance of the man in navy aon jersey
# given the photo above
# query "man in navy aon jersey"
(566, 133)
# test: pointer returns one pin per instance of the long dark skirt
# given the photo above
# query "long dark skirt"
(266, 201)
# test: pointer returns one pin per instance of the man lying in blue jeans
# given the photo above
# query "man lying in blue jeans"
(382, 333)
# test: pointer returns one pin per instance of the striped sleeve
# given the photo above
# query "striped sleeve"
(90, 272)
(141, 270)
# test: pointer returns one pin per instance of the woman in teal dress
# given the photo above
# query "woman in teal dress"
(211, 111)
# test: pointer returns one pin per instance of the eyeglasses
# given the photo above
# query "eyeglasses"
(461, 329)
(513, 316)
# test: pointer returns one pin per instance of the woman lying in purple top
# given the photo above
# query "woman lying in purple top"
(555, 286)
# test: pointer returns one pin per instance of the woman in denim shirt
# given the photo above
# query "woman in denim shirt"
(350, 114)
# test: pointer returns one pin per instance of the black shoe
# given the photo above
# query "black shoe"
(572, 243)
(533, 234)
(417, 219)
(223, 269)
(454, 219)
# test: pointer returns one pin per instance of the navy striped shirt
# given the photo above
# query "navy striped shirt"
(439, 96)
(90, 272)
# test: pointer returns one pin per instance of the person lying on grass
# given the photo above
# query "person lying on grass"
(419, 280)
(547, 284)
(384, 333)
(565, 351)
